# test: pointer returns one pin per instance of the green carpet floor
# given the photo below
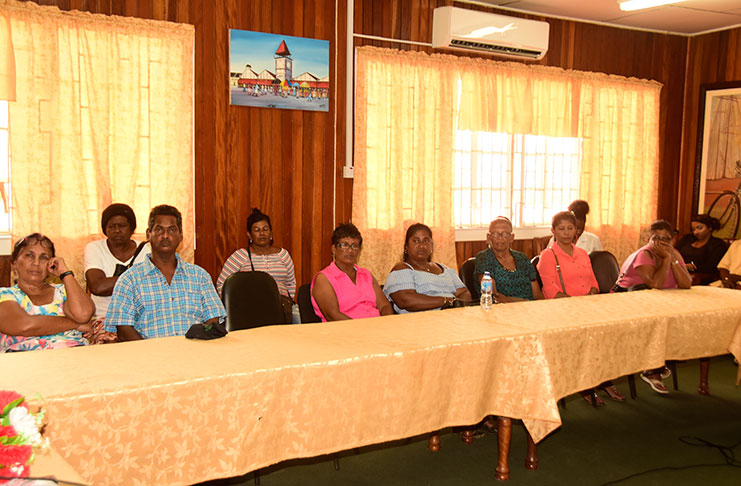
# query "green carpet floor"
(638, 442)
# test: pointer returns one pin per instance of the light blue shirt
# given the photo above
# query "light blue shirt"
(444, 285)
(142, 298)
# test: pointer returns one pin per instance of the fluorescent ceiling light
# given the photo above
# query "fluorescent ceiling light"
(629, 5)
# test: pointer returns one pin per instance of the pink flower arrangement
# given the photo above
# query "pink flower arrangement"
(20, 432)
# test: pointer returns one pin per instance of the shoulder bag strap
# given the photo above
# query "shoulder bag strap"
(249, 254)
(136, 253)
(558, 268)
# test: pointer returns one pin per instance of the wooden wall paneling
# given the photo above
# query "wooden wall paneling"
(4, 270)
(711, 58)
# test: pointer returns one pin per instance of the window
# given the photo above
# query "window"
(527, 178)
(5, 221)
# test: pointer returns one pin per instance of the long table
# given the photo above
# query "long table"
(174, 411)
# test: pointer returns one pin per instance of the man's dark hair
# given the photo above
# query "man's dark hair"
(346, 230)
(165, 210)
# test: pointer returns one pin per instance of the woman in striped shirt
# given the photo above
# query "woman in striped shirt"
(418, 284)
(261, 255)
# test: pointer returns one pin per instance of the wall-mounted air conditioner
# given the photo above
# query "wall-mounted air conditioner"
(459, 28)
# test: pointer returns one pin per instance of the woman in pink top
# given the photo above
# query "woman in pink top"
(566, 271)
(344, 290)
(656, 265)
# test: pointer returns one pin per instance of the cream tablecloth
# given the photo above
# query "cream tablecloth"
(174, 411)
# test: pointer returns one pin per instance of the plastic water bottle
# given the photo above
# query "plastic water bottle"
(487, 288)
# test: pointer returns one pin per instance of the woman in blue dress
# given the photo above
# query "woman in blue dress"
(418, 284)
(515, 278)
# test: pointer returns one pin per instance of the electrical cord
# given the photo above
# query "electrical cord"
(727, 452)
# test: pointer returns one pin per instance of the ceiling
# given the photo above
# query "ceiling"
(687, 18)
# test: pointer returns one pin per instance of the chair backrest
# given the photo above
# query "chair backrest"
(466, 274)
(606, 269)
(251, 300)
(540, 243)
(535, 261)
(305, 308)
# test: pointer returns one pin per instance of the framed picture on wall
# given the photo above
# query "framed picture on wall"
(718, 164)
(278, 71)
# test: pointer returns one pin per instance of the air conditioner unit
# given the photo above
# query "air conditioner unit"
(459, 28)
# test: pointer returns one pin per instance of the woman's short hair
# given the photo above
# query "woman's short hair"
(707, 220)
(255, 217)
(346, 230)
(118, 209)
(580, 208)
(410, 231)
(563, 216)
(503, 219)
(165, 210)
(31, 240)
(661, 224)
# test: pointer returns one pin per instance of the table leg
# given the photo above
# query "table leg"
(433, 443)
(531, 460)
(703, 389)
(504, 432)
(467, 435)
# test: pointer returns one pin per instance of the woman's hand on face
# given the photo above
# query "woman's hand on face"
(57, 266)
(660, 249)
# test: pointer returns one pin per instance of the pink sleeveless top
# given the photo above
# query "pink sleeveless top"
(355, 300)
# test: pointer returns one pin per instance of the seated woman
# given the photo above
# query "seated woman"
(263, 256)
(344, 290)
(35, 314)
(416, 284)
(656, 265)
(566, 271)
(107, 259)
(515, 278)
(701, 250)
(585, 240)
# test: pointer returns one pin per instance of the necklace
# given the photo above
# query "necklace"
(426, 268)
(510, 270)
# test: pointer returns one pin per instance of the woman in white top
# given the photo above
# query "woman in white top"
(585, 240)
(107, 259)
(262, 255)
(417, 284)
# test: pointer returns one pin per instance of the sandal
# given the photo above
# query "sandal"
(589, 395)
(613, 393)
(665, 373)
(655, 383)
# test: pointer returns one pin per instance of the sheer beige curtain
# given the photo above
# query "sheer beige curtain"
(103, 113)
(616, 118)
(404, 133)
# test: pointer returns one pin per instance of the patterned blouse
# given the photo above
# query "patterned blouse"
(278, 265)
(445, 284)
(66, 339)
(511, 284)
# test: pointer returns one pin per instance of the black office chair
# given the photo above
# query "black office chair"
(305, 308)
(606, 270)
(535, 261)
(251, 300)
(466, 275)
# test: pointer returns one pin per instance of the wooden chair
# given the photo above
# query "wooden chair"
(540, 243)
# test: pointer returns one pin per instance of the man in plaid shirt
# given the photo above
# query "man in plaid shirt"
(163, 295)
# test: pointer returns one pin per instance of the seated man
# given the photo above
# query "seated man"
(163, 295)
(729, 267)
